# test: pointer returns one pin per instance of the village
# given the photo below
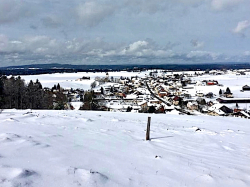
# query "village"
(161, 91)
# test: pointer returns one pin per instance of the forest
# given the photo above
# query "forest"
(15, 93)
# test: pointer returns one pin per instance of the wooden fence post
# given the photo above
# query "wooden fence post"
(148, 129)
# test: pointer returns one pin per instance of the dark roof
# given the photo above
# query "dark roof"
(246, 86)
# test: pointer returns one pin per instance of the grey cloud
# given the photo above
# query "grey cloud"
(51, 22)
(50, 46)
(65, 34)
(13, 10)
(151, 7)
(191, 2)
(36, 49)
(92, 13)
(34, 27)
(225, 4)
(171, 45)
(197, 44)
(146, 6)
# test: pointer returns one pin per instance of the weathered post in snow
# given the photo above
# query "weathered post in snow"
(148, 129)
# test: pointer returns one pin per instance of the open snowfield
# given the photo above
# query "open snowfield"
(233, 81)
(78, 148)
(69, 80)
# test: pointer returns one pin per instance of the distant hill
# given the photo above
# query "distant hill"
(60, 68)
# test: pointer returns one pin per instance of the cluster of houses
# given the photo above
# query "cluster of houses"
(72, 95)
(161, 93)
(65, 96)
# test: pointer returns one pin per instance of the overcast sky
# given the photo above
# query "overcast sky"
(124, 31)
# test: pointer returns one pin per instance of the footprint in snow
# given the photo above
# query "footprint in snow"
(241, 132)
(10, 176)
(157, 156)
(90, 120)
(9, 137)
(87, 177)
(11, 119)
(207, 178)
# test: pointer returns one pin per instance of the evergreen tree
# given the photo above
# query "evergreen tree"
(20, 94)
(220, 92)
(1, 86)
(112, 89)
(39, 95)
(228, 90)
(31, 94)
(14, 93)
(1, 93)
(53, 88)
(87, 100)
(58, 87)
(151, 109)
(129, 109)
(102, 90)
(9, 92)
(39, 85)
(237, 106)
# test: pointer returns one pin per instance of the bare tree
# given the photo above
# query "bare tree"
(93, 85)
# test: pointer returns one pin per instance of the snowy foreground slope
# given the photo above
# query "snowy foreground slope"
(77, 148)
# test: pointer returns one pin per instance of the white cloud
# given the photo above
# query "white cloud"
(34, 49)
(33, 44)
(92, 13)
(135, 47)
(225, 4)
(146, 48)
(205, 55)
(247, 53)
(241, 27)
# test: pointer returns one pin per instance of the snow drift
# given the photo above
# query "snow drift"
(78, 148)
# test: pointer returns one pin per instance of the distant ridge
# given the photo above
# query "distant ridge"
(60, 68)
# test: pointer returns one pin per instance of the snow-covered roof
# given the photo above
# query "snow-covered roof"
(215, 106)
(245, 114)
(218, 111)
(131, 96)
(142, 102)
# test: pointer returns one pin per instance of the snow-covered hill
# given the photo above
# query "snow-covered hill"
(77, 148)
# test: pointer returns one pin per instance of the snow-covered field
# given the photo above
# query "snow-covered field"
(78, 148)
(233, 81)
(69, 80)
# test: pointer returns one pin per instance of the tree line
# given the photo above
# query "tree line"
(15, 93)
